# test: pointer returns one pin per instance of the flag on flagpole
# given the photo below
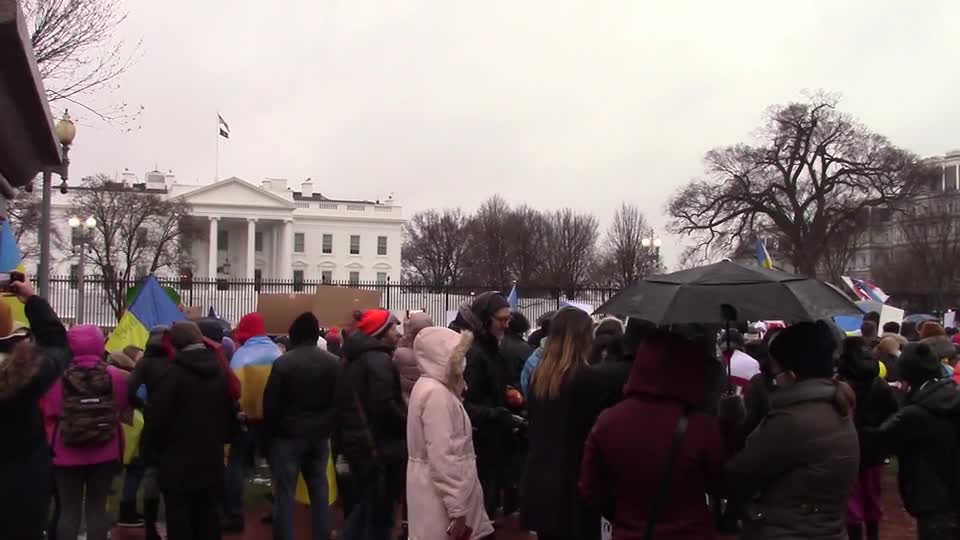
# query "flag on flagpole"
(865, 290)
(513, 298)
(224, 127)
(763, 256)
(9, 250)
(150, 308)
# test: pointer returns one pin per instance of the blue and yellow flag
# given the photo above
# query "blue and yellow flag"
(150, 308)
(763, 256)
(9, 250)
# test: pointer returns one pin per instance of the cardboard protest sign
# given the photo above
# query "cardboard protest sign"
(890, 314)
(332, 306)
(950, 319)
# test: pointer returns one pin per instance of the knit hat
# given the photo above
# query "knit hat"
(211, 329)
(806, 349)
(931, 329)
(250, 325)
(374, 322)
(918, 363)
(185, 333)
(305, 330)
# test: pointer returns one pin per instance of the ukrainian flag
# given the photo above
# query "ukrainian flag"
(9, 262)
(763, 256)
(150, 308)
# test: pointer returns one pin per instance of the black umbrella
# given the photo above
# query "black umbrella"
(698, 296)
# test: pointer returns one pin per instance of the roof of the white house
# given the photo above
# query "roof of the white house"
(234, 181)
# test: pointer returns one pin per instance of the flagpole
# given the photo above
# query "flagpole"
(216, 173)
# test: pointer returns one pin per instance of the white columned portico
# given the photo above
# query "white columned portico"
(212, 260)
(286, 250)
(251, 247)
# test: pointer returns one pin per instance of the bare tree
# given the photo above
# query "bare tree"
(24, 213)
(814, 170)
(527, 232)
(571, 250)
(137, 233)
(624, 258)
(490, 238)
(435, 247)
(78, 53)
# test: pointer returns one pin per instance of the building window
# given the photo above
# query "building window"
(381, 277)
(326, 276)
(354, 278)
(354, 244)
(223, 241)
(298, 280)
(381, 245)
(299, 242)
(74, 275)
(327, 244)
(258, 241)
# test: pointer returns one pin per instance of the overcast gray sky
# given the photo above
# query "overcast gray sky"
(549, 102)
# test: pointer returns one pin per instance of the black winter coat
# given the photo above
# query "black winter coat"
(148, 373)
(298, 402)
(370, 377)
(191, 418)
(615, 375)
(487, 375)
(515, 352)
(557, 433)
(924, 437)
(25, 459)
(875, 403)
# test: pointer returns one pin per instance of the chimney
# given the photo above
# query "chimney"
(306, 189)
(279, 184)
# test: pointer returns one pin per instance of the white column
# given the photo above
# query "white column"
(286, 250)
(212, 261)
(251, 246)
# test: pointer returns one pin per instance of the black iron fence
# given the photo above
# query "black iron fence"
(233, 298)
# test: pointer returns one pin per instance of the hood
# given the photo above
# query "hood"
(941, 346)
(86, 343)
(413, 326)
(442, 355)
(667, 366)
(358, 343)
(478, 313)
(200, 360)
(250, 325)
(305, 330)
(211, 328)
(803, 391)
(939, 397)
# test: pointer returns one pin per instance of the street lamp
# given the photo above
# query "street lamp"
(66, 132)
(88, 225)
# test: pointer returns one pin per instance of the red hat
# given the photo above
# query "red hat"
(374, 322)
(333, 334)
(250, 325)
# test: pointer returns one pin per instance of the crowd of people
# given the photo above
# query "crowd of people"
(448, 431)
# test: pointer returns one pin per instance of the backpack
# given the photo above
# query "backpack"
(89, 418)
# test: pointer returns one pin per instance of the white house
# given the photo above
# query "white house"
(271, 231)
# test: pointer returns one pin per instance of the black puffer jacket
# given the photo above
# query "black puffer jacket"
(370, 378)
(515, 352)
(298, 402)
(924, 437)
(191, 418)
(148, 374)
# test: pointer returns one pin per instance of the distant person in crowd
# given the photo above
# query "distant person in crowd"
(607, 341)
(229, 347)
(626, 470)
(488, 378)
(807, 441)
(873, 317)
(910, 331)
(459, 324)
(86, 404)
(133, 471)
(31, 360)
(757, 400)
(215, 339)
(514, 348)
(868, 331)
(887, 352)
(875, 403)
(252, 363)
(372, 424)
(565, 399)
(334, 341)
(935, 336)
(191, 418)
(145, 380)
(892, 330)
(283, 343)
(299, 417)
(923, 436)
(444, 495)
(617, 363)
(404, 358)
(535, 339)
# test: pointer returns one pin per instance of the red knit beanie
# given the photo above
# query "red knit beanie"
(250, 325)
(373, 322)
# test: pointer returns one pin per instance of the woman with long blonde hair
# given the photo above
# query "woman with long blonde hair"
(566, 397)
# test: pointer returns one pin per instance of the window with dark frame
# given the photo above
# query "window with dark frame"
(298, 280)
(381, 245)
(326, 276)
(354, 278)
(354, 244)
(327, 247)
(258, 241)
(299, 242)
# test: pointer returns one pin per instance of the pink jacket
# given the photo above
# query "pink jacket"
(87, 345)
(442, 481)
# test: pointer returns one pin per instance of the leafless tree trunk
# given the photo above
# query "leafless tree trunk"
(490, 250)
(435, 247)
(571, 250)
(625, 259)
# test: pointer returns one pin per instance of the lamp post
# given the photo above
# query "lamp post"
(66, 132)
(88, 226)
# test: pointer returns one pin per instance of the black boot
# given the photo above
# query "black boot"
(855, 532)
(128, 518)
(151, 512)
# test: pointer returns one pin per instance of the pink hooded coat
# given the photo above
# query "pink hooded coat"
(442, 481)
(87, 345)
